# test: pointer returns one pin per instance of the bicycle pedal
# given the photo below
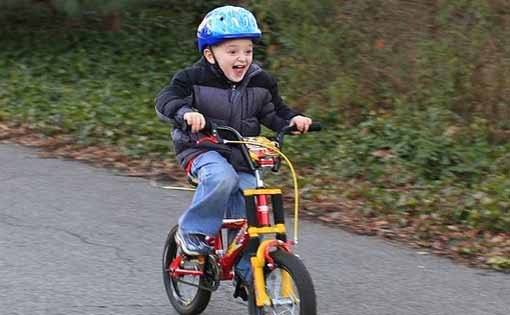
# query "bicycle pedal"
(194, 262)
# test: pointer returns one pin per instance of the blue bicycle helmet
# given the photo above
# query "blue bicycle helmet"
(224, 23)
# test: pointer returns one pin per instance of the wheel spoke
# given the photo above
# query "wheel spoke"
(288, 286)
(186, 292)
(281, 290)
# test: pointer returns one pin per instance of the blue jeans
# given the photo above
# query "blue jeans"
(218, 195)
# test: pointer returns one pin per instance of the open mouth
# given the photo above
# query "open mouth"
(239, 70)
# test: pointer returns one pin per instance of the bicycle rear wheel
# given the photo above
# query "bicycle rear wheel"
(185, 298)
(289, 286)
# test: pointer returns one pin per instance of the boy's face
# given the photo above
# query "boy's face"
(234, 57)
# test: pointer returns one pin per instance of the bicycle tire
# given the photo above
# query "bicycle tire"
(197, 303)
(302, 283)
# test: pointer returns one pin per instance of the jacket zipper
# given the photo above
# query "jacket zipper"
(233, 94)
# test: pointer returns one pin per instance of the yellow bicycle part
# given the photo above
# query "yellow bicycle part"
(256, 231)
(287, 290)
(258, 262)
(254, 192)
(259, 140)
(294, 179)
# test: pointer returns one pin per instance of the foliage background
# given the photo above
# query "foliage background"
(414, 96)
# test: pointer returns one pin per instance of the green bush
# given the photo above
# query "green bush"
(410, 94)
(97, 86)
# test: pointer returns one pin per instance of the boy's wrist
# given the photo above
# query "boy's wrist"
(179, 115)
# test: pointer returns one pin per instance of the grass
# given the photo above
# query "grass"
(398, 147)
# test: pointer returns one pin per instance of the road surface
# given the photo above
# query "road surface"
(75, 239)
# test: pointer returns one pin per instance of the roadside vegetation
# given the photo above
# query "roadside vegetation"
(414, 98)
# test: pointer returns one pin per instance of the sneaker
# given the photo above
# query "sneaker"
(241, 289)
(192, 244)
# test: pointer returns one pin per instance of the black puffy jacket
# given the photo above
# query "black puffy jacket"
(243, 106)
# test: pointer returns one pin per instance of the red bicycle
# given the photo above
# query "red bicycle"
(281, 282)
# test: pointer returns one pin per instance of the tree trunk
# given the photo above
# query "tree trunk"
(112, 22)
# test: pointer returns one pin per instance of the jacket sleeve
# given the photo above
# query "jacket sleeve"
(175, 100)
(275, 114)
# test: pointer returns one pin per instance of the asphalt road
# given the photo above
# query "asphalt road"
(75, 239)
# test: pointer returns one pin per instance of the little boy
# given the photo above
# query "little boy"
(226, 88)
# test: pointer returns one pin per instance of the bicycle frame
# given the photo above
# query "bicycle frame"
(256, 224)
(238, 245)
(226, 260)
(245, 234)
(247, 239)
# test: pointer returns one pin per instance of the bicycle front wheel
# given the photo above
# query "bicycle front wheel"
(288, 285)
(185, 298)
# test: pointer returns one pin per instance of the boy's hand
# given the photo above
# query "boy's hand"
(302, 123)
(195, 120)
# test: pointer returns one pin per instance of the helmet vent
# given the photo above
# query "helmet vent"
(227, 22)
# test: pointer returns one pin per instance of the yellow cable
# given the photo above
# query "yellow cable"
(294, 179)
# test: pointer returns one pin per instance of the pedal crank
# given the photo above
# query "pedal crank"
(196, 285)
(204, 267)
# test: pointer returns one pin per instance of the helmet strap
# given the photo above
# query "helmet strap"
(216, 65)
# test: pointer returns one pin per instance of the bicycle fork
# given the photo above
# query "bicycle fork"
(258, 220)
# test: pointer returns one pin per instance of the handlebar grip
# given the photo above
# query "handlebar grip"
(315, 126)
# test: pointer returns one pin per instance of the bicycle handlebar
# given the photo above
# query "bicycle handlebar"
(314, 127)
(289, 130)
